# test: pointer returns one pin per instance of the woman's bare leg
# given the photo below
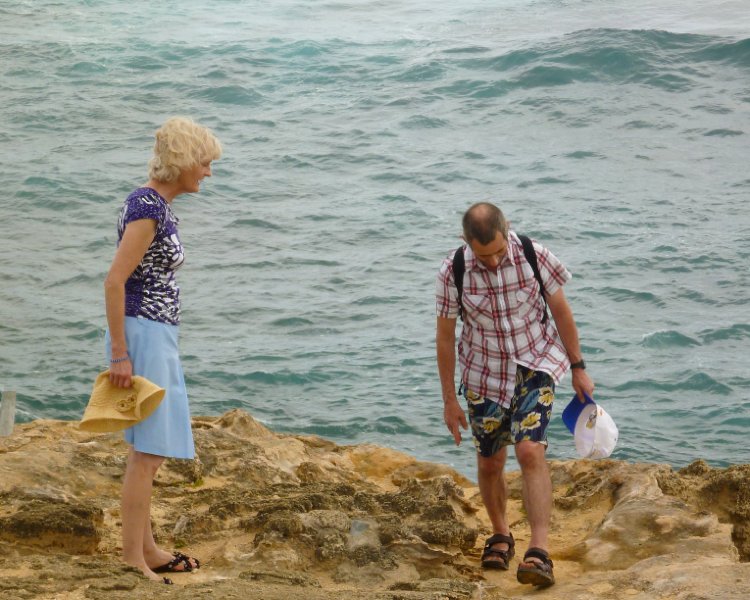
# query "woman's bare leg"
(135, 509)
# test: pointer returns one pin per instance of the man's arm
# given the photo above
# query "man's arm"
(445, 340)
(566, 327)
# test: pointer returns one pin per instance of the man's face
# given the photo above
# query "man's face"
(490, 255)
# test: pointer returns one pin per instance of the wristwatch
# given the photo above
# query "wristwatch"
(581, 364)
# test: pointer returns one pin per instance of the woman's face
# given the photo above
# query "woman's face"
(190, 179)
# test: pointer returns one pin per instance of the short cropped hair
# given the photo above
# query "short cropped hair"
(482, 222)
(181, 144)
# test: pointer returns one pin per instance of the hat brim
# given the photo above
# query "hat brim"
(101, 416)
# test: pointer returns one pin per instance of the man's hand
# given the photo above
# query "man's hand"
(582, 383)
(454, 416)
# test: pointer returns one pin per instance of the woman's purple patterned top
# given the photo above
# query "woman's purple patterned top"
(151, 291)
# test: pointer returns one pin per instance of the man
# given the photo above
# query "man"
(511, 357)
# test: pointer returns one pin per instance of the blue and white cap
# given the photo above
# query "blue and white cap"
(594, 431)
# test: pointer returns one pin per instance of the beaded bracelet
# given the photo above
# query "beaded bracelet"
(119, 360)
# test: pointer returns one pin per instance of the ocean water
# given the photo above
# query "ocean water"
(356, 132)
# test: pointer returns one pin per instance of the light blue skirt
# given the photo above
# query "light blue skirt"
(153, 349)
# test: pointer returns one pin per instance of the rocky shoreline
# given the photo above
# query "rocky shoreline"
(274, 516)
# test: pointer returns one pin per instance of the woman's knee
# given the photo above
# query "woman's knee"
(145, 462)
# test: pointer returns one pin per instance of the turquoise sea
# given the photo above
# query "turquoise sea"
(356, 132)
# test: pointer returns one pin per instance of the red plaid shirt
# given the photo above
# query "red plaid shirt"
(502, 325)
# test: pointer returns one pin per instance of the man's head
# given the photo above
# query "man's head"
(486, 231)
(482, 222)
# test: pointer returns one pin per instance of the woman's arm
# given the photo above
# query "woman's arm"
(135, 241)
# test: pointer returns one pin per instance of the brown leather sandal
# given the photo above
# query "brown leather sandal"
(504, 555)
(541, 573)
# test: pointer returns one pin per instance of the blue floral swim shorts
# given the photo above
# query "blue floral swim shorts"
(494, 427)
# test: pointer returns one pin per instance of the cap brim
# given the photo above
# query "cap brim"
(573, 410)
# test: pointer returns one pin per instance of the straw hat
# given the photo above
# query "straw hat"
(113, 409)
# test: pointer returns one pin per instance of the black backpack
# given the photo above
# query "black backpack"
(459, 267)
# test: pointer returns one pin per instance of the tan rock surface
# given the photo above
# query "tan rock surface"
(282, 516)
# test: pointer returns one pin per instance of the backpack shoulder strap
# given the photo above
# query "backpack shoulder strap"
(459, 267)
(530, 254)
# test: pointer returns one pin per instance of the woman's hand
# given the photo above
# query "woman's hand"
(121, 373)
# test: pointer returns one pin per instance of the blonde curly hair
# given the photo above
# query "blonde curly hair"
(181, 144)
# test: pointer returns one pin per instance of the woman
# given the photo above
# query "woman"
(143, 315)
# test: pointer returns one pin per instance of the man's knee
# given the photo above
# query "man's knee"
(530, 455)
(489, 465)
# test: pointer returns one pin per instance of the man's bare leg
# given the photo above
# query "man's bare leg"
(494, 490)
(537, 492)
